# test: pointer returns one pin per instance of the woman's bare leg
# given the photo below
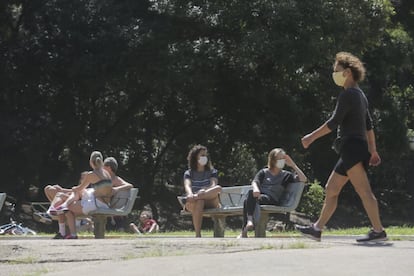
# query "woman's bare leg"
(70, 220)
(333, 187)
(359, 180)
(204, 198)
(51, 192)
(74, 210)
(211, 193)
(196, 208)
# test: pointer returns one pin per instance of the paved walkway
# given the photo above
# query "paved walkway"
(207, 256)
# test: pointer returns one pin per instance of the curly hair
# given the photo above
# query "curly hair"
(348, 60)
(192, 157)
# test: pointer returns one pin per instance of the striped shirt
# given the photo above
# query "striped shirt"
(200, 180)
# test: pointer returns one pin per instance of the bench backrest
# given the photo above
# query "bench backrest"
(292, 195)
(123, 199)
(2, 199)
(121, 204)
(235, 196)
(230, 197)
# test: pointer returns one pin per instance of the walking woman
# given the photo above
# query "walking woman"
(356, 147)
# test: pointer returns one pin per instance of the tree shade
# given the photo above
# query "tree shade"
(145, 80)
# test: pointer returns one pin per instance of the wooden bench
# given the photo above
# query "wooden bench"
(2, 199)
(232, 198)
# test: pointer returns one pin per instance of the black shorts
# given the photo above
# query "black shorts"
(353, 151)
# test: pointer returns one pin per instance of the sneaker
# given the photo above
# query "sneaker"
(70, 237)
(374, 236)
(55, 211)
(62, 209)
(58, 236)
(310, 232)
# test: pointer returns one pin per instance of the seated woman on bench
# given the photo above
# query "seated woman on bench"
(269, 185)
(201, 185)
(92, 198)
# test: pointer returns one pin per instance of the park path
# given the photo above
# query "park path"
(205, 256)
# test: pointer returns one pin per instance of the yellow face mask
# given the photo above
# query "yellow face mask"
(338, 78)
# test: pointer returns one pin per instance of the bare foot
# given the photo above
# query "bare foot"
(249, 225)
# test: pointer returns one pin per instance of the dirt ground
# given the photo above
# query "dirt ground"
(42, 255)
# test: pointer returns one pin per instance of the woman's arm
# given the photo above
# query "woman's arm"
(375, 159)
(302, 177)
(121, 185)
(256, 190)
(84, 183)
(256, 183)
(308, 139)
(187, 187)
(213, 182)
(61, 189)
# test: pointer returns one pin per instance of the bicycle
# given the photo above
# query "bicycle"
(14, 228)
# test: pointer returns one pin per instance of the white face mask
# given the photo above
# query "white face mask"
(280, 163)
(202, 160)
(338, 78)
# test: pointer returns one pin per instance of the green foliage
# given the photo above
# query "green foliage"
(143, 80)
(312, 200)
(243, 165)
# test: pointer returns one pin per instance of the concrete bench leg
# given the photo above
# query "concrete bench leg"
(99, 226)
(260, 228)
(219, 226)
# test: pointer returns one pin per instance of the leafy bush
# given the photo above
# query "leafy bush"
(312, 200)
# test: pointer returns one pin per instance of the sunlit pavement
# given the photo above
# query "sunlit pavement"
(297, 256)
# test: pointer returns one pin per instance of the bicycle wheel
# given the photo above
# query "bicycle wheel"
(22, 231)
(30, 231)
(17, 231)
(6, 229)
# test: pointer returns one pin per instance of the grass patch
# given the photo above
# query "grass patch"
(129, 256)
(225, 244)
(232, 233)
(159, 252)
(292, 245)
(297, 245)
(391, 230)
(25, 260)
(268, 246)
(37, 272)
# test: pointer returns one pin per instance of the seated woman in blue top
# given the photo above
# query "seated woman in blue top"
(201, 185)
